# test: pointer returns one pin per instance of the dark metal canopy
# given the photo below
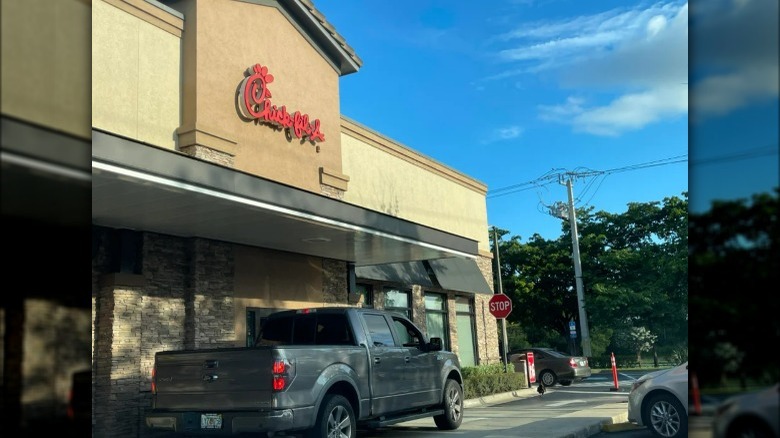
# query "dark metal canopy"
(141, 187)
(460, 274)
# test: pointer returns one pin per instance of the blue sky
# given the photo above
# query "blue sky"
(521, 91)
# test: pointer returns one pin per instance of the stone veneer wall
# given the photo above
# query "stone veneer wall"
(418, 308)
(211, 277)
(208, 154)
(331, 192)
(182, 299)
(452, 317)
(487, 331)
(487, 325)
(334, 282)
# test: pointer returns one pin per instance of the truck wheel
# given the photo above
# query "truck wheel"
(336, 419)
(453, 407)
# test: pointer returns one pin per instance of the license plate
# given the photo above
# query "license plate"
(211, 421)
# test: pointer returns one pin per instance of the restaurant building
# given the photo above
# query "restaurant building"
(227, 185)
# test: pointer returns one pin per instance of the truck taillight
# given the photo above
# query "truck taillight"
(154, 380)
(280, 370)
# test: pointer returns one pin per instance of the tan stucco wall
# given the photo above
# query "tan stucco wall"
(136, 71)
(45, 63)
(276, 278)
(396, 180)
(270, 279)
(231, 37)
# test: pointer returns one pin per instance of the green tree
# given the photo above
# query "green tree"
(634, 273)
(734, 261)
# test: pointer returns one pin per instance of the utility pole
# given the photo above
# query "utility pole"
(575, 241)
(500, 290)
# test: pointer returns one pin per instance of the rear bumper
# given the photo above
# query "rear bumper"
(232, 422)
(575, 375)
(581, 373)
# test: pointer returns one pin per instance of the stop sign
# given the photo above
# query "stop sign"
(500, 306)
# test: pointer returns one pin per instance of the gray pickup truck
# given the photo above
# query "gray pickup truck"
(319, 372)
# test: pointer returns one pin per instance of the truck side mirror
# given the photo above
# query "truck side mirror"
(435, 344)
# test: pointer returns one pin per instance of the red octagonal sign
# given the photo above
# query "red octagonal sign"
(500, 306)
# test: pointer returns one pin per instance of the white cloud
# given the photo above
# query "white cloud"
(722, 93)
(564, 112)
(569, 39)
(633, 62)
(736, 56)
(627, 112)
(655, 25)
(503, 134)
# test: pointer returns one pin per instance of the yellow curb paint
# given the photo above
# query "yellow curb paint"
(619, 427)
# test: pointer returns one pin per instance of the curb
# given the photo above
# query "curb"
(503, 397)
(620, 427)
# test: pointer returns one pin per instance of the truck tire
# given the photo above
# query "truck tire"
(336, 418)
(453, 407)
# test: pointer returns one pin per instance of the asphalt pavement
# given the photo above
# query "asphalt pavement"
(546, 421)
(581, 410)
(602, 414)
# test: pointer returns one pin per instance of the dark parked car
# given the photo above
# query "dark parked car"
(552, 367)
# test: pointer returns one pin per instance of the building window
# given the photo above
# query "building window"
(464, 311)
(366, 293)
(436, 318)
(398, 301)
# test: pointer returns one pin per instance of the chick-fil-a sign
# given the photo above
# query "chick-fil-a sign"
(254, 101)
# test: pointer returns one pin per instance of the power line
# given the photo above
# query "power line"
(554, 175)
(743, 155)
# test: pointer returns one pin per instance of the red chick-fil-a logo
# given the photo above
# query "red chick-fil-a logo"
(254, 101)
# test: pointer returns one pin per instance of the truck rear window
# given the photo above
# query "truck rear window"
(306, 329)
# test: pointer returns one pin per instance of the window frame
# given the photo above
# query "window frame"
(405, 311)
(444, 312)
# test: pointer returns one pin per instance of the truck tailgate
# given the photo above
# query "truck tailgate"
(224, 379)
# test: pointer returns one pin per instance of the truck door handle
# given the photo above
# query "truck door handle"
(377, 360)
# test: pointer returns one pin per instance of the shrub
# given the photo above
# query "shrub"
(486, 370)
(483, 380)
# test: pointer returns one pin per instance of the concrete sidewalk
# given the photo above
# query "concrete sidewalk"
(590, 420)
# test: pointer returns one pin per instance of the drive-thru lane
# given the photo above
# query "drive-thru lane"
(578, 410)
